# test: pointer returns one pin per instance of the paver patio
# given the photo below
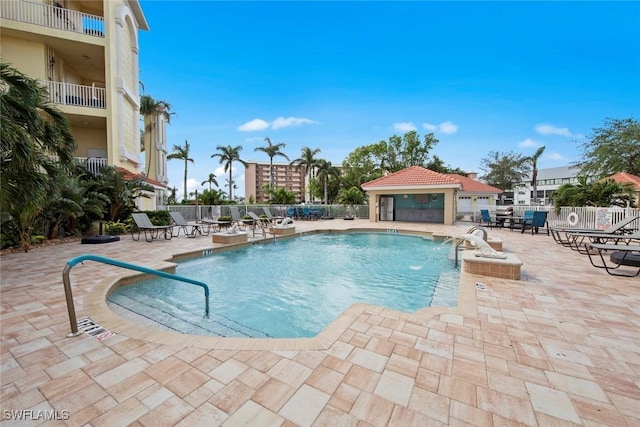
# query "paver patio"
(560, 347)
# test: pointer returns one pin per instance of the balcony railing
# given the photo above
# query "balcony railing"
(52, 17)
(93, 164)
(78, 95)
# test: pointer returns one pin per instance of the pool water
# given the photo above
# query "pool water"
(295, 287)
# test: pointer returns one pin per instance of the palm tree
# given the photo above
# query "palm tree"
(534, 171)
(324, 171)
(272, 150)
(32, 131)
(604, 192)
(350, 197)
(149, 109)
(308, 160)
(210, 180)
(281, 196)
(227, 154)
(122, 193)
(172, 198)
(182, 153)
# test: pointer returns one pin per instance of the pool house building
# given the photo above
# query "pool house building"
(417, 194)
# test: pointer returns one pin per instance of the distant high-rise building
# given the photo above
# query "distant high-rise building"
(289, 177)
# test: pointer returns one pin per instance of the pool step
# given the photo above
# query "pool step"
(181, 321)
(445, 293)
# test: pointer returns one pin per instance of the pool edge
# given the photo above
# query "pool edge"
(96, 308)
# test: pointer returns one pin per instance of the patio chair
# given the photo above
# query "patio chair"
(486, 218)
(317, 212)
(539, 219)
(183, 224)
(272, 219)
(619, 255)
(256, 221)
(236, 218)
(560, 234)
(151, 231)
(519, 222)
(306, 212)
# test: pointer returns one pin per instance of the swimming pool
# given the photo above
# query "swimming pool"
(295, 287)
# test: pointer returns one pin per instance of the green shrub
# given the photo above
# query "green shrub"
(115, 228)
(159, 217)
(224, 218)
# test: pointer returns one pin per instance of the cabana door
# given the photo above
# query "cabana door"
(386, 208)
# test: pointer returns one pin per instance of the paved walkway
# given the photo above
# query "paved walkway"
(560, 347)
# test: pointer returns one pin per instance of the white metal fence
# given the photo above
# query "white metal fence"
(587, 216)
(193, 213)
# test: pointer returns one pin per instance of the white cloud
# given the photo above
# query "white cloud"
(192, 185)
(404, 126)
(281, 122)
(445, 127)
(448, 127)
(254, 125)
(429, 127)
(547, 129)
(529, 143)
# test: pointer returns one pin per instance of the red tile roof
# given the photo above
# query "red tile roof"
(130, 176)
(623, 177)
(414, 176)
(472, 186)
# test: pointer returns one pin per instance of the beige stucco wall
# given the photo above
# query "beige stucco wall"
(89, 138)
(147, 203)
(122, 80)
(25, 55)
(449, 201)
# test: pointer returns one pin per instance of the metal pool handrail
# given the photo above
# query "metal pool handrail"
(461, 241)
(74, 261)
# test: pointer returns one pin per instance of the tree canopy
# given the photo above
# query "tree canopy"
(32, 131)
(605, 192)
(613, 148)
(369, 162)
(505, 170)
(402, 152)
(436, 164)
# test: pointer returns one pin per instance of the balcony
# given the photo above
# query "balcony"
(93, 164)
(76, 95)
(52, 17)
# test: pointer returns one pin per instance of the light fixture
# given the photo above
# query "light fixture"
(405, 196)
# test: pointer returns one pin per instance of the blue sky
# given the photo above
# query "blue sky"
(482, 76)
